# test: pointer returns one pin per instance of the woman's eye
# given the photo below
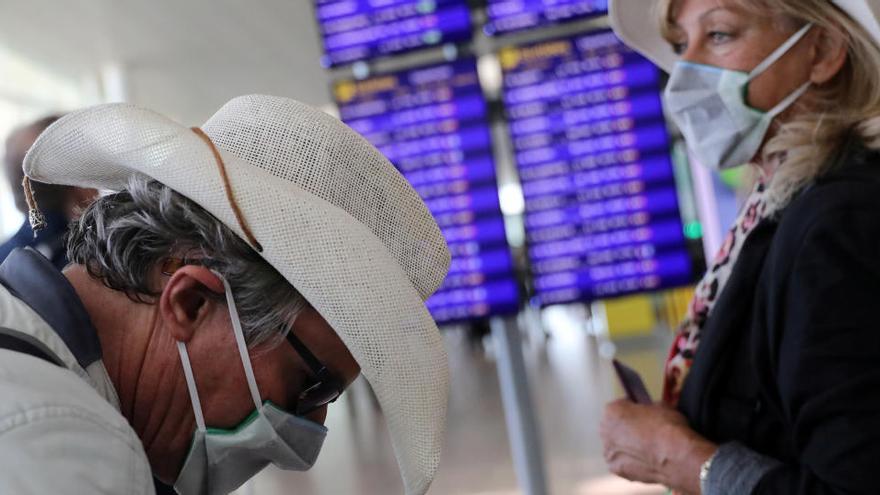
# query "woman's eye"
(719, 37)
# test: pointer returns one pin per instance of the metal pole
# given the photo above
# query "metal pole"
(522, 427)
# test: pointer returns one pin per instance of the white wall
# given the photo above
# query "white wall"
(28, 92)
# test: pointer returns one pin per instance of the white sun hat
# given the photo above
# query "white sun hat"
(331, 214)
(635, 22)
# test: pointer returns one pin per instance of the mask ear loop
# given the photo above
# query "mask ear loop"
(779, 52)
(772, 59)
(242, 345)
(191, 386)
(789, 100)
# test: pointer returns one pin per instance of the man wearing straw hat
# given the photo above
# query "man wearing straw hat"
(240, 277)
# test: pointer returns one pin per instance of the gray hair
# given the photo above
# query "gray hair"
(124, 237)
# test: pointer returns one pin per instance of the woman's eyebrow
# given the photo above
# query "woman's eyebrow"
(709, 12)
(675, 25)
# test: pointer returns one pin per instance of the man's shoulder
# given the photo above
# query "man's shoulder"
(50, 419)
(851, 193)
(29, 385)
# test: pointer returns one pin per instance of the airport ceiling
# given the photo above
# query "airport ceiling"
(182, 57)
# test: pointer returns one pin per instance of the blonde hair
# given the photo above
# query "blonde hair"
(848, 104)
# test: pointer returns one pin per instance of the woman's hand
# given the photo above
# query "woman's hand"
(653, 444)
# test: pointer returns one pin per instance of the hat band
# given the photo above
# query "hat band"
(239, 217)
(35, 216)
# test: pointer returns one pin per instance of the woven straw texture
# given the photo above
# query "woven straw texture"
(333, 216)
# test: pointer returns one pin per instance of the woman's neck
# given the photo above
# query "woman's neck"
(767, 166)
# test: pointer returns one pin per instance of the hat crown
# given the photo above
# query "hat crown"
(320, 154)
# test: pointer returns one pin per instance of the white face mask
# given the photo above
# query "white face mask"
(709, 106)
(220, 461)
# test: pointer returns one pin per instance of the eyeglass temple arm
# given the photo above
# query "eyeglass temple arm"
(316, 366)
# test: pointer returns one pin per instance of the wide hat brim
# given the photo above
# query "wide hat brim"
(338, 264)
(635, 22)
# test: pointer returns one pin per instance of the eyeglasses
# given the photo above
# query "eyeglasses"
(326, 387)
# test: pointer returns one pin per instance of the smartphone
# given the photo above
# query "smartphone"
(632, 383)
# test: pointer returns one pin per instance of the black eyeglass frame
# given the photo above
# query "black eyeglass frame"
(326, 388)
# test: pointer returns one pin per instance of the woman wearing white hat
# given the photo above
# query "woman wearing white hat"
(772, 385)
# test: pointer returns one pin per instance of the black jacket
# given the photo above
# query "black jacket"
(789, 362)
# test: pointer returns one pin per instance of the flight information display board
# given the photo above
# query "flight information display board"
(514, 15)
(431, 122)
(355, 30)
(592, 150)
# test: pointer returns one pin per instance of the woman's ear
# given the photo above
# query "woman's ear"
(184, 303)
(830, 52)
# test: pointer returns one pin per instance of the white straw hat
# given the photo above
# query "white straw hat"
(635, 22)
(332, 215)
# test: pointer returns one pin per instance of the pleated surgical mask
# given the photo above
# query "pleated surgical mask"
(221, 460)
(709, 106)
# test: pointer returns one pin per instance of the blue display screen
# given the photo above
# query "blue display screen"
(355, 30)
(431, 122)
(514, 15)
(592, 149)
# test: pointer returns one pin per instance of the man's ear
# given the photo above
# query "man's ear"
(185, 302)
(830, 53)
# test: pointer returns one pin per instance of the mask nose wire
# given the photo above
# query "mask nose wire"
(242, 346)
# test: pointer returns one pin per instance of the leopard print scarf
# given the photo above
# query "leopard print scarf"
(707, 292)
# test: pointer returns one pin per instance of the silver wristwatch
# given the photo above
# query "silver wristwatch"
(704, 473)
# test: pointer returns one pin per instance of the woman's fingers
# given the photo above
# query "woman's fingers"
(623, 443)
(631, 434)
(631, 467)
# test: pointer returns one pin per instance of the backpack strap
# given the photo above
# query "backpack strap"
(15, 341)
